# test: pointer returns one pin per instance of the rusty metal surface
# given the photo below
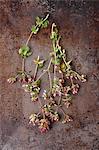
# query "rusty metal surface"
(78, 22)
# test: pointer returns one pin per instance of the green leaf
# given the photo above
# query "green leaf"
(39, 62)
(56, 49)
(68, 65)
(29, 54)
(54, 36)
(63, 67)
(39, 21)
(38, 82)
(24, 51)
(45, 24)
(55, 81)
(34, 29)
(58, 60)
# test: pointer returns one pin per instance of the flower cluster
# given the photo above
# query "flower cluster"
(34, 119)
(66, 119)
(44, 125)
(50, 113)
(25, 79)
(33, 88)
(75, 88)
(28, 84)
(34, 91)
(57, 87)
(44, 121)
(70, 74)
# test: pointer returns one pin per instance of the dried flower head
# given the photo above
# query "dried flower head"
(57, 86)
(66, 89)
(83, 78)
(44, 125)
(75, 88)
(12, 80)
(23, 78)
(45, 95)
(66, 119)
(34, 119)
(54, 116)
(67, 104)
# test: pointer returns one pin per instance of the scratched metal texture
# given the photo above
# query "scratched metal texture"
(78, 22)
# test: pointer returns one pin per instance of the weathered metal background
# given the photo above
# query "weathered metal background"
(78, 21)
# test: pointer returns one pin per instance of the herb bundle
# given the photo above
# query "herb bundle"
(62, 82)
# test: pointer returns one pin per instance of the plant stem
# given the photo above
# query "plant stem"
(41, 107)
(49, 64)
(55, 68)
(54, 46)
(59, 102)
(29, 38)
(23, 60)
(53, 25)
(35, 73)
(46, 17)
(36, 68)
(49, 75)
(57, 44)
(45, 70)
(54, 60)
(50, 80)
(23, 64)
(78, 75)
(36, 26)
(41, 75)
(71, 81)
(62, 110)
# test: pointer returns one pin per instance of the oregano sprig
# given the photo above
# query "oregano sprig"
(62, 81)
(25, 51)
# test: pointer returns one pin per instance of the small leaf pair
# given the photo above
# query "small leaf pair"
(40, 23)
(39, 62)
